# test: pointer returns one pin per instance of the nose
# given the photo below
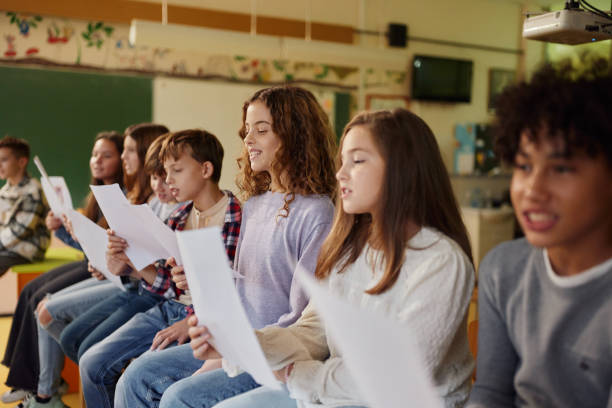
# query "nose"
(536, 185)
(123, 155)
(167, 179)
(248, 137)
(341, 173)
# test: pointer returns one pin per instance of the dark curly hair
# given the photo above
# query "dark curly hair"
(561, 101)
(307, 148)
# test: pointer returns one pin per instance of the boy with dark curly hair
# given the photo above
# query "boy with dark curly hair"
(545, 301)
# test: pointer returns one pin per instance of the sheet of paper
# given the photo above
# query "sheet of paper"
(61, 189)
(55, 189)
(93, 241)
(52, 197)
(40, 167)
(131, 223)
(217, 304)
(379, 353)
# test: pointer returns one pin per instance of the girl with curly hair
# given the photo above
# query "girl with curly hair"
(287, 179)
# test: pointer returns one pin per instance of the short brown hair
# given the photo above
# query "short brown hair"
(19, 147)
(153, 165)
(203, 147)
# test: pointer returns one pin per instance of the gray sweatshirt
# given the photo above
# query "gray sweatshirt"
(544, 340)
(271, 248)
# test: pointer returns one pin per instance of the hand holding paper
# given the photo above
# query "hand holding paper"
(379, 352)
(148, 237)
(217, 305)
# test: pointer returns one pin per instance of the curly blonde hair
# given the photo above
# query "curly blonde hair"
(307, 147)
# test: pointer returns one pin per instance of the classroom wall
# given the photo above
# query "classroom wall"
(492, 23)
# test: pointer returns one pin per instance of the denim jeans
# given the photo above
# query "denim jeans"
(69, 303)
(263, 397)
(100, 321)
(101, 365)
(168, 373)
(64, 306)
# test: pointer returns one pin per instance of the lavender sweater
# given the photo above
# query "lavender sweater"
(271, 248)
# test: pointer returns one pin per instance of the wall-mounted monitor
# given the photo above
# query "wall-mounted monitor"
(441, 79)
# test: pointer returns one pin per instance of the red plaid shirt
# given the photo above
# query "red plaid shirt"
(163, 284)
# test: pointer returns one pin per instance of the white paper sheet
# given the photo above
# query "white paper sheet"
(55, 189)
(93, 241)
(217, 304)
(61, 189)
(379, 353)
(148, 238)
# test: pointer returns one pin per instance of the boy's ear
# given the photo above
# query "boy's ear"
(207, 170)
(23, 162)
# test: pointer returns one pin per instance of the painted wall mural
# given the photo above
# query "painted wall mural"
(53, 41)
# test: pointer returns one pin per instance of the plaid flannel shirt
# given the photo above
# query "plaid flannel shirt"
(163, 284)
(23, 209)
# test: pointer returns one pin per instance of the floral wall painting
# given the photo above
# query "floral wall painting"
(24, 22)
(499, 79)
(78, 44)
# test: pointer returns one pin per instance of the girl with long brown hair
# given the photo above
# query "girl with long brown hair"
(398, 247)
(138, 138)
(287, 179)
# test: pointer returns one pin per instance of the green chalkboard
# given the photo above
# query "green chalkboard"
(59, 112)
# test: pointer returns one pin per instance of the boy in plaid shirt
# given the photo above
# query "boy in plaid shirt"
(192, 162)
(24, 237)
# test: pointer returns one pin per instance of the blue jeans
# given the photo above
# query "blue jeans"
(263, 397)
(101, 365)
(168, 373)
(64, 306)
(100, 321)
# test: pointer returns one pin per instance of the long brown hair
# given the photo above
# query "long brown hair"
(92, 210)
(416, 190)
(138, 186)
(306, 151)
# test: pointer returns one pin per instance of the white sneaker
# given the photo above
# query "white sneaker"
(13, 395)
(29, 396)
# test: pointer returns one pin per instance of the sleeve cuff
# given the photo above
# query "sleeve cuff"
(230, 369)
(302, 381)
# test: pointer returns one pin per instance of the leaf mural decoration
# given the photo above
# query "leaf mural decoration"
(96, 32)
(23, 23)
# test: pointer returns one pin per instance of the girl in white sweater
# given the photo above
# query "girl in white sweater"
(397, 246)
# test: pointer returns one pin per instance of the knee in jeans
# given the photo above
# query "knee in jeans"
(44, 317)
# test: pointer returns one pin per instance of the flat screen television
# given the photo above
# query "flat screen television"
(441, 79)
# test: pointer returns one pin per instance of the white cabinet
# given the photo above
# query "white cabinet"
(487, 227)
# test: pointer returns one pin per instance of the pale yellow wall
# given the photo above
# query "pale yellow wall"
(493, 23)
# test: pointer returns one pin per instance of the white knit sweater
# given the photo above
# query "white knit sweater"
(431, 296)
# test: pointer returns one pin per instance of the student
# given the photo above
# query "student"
(163, 202)
(286, 175)
(192, 161)
(101, 320)
(21, 354)
(24, 238)
(545, 304)
(398, 247)
(56, 311)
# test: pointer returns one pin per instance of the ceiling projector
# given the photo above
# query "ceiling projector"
(573, 26)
